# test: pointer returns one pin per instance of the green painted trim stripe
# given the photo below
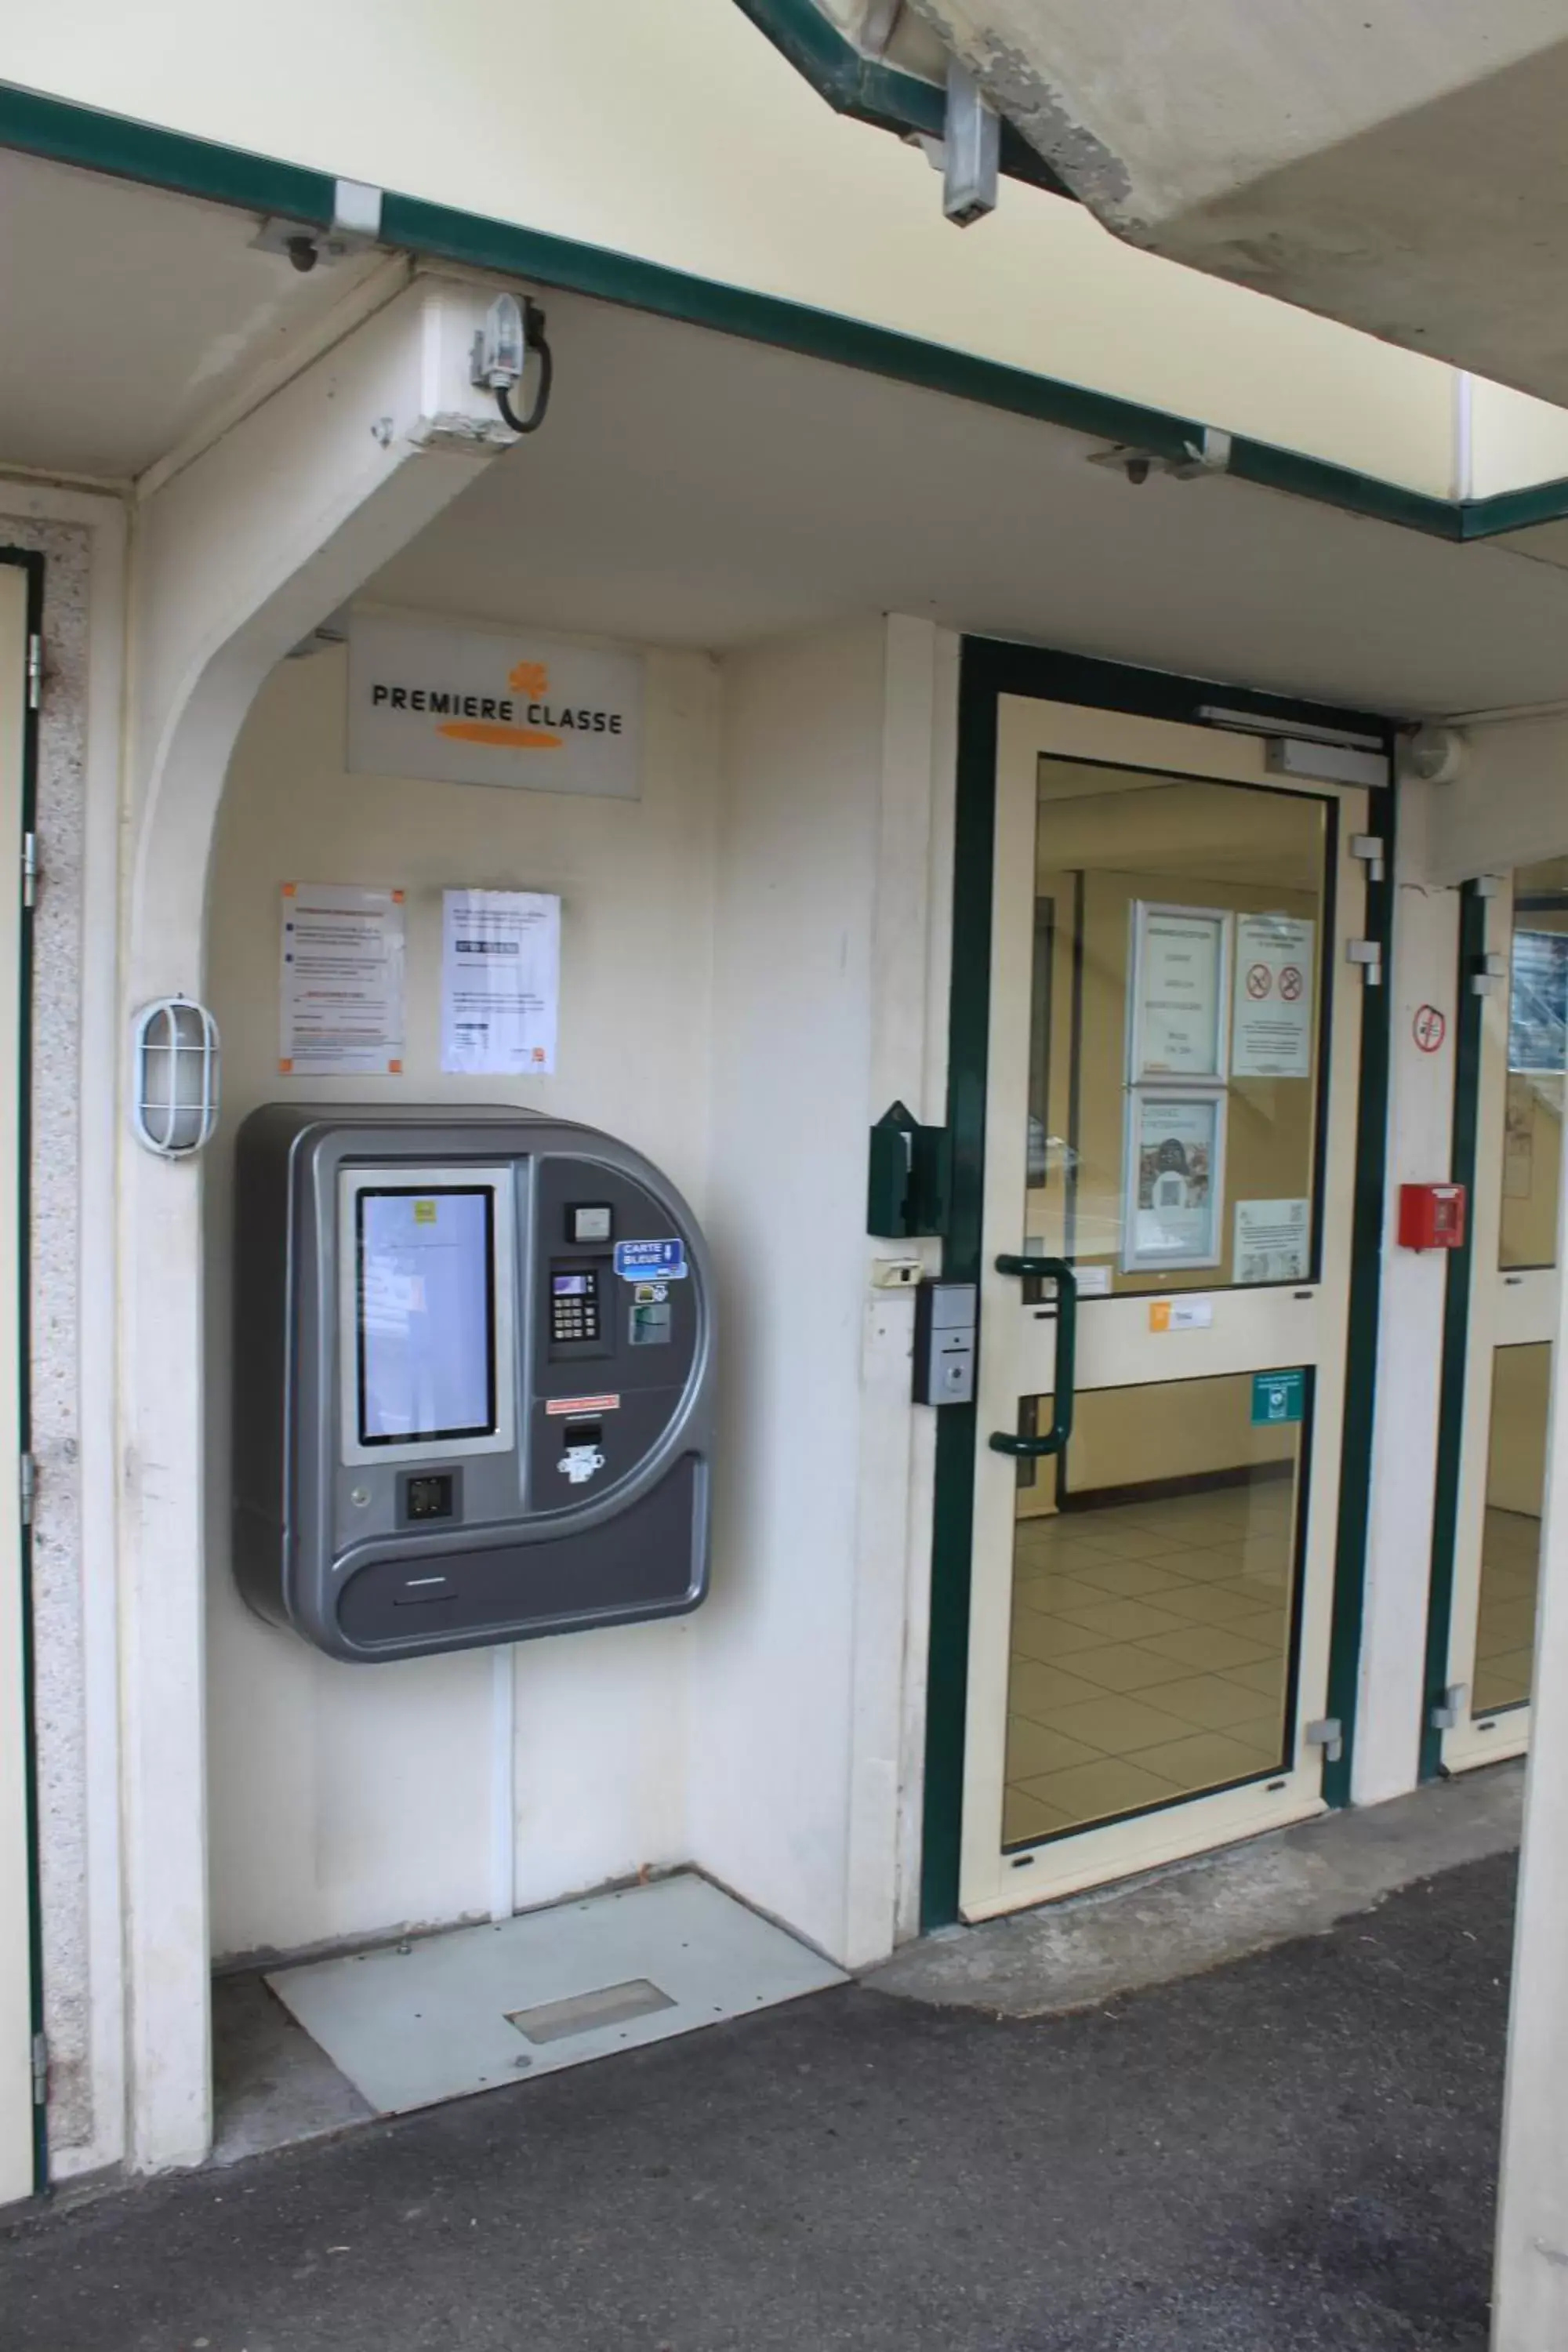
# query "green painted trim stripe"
(851, 83)
(113, 143)
(1455, 1330)
(990, 669)
(1301, 477)
(442, 234)
(1514, 509)
(93, 140)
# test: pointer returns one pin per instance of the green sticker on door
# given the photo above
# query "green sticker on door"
(1277, 1397)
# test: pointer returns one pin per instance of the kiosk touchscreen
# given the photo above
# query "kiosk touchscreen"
(473, 1395)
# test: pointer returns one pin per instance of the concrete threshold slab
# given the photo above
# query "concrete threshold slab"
(1193, 1916)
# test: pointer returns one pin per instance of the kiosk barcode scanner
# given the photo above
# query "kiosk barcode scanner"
(473, 1391)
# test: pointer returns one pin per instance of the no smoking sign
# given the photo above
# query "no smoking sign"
(1429, 1027)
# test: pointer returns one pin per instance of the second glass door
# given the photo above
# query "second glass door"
(1513, 1308)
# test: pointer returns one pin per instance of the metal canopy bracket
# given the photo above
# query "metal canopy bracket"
(355, 227)
(1209, 454)
(1449, 1710)
(971, 144)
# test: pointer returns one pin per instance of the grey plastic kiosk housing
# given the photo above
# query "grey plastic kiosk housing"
(473, 1391)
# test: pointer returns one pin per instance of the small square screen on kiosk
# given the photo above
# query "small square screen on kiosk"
(426, 1343)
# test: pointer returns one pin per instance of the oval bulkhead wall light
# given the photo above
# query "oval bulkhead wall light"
(176, 1081)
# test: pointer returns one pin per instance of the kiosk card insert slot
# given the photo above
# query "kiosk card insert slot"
(462, 1414)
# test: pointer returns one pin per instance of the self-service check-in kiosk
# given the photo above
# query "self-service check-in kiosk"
(473, 1378)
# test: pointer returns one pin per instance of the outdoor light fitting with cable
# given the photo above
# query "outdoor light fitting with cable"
(511, 330)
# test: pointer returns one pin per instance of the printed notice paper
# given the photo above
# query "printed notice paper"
(501, 982)
(1274, 998)
(1273, 1241)
(341, 994)
(1174, 1149)
(1180, 959)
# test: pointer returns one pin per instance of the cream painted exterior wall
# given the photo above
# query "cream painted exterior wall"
(736, 949)
(566, 120)
(346, 1800)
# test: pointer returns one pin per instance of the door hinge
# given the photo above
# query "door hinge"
(29, 869)
(34, 670)
(40, 2070)
(1450, 1711)
(1368, 953)
(1485, 972)
(1369, 848)
(1329, 1734)
(26, 1486)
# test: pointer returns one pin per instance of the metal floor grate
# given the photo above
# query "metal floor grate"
(477, 2007)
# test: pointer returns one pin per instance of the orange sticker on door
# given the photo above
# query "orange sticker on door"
(1181, 1314)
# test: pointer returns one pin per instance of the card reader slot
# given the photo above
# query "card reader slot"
(422, 1591)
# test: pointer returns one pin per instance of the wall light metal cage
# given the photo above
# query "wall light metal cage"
(176, 1102)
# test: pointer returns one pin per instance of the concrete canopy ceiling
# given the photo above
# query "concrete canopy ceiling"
(1397, 165)
(694, 489)
(130, 315)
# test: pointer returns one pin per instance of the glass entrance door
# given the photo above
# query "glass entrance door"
(1170, 1132)
(1514, 1305)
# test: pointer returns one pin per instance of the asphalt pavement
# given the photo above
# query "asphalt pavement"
(1292, 2151)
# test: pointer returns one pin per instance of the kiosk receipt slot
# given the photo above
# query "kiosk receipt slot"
(473, 1395)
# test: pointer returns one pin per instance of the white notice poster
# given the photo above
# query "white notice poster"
(341, 992)
(1272, 1037)
(1273, 1241)
(501, 982)
(1179, 959)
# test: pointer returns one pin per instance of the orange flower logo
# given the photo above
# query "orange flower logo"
(529, 678)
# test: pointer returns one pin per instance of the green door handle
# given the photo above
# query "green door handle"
(1054, 1441)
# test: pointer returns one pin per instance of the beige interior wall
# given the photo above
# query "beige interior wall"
(1516, 1458)
(1532, 1151)
(1269, 1147)
(1186, 1428)
(1125, 1437)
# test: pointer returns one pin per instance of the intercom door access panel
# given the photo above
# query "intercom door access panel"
(473, 1391)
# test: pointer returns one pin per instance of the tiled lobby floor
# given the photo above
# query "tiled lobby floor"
(1149, 1654)
(1505, 1626)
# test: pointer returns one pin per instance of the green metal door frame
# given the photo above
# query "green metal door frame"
(989, 670)
(1455, 1330)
